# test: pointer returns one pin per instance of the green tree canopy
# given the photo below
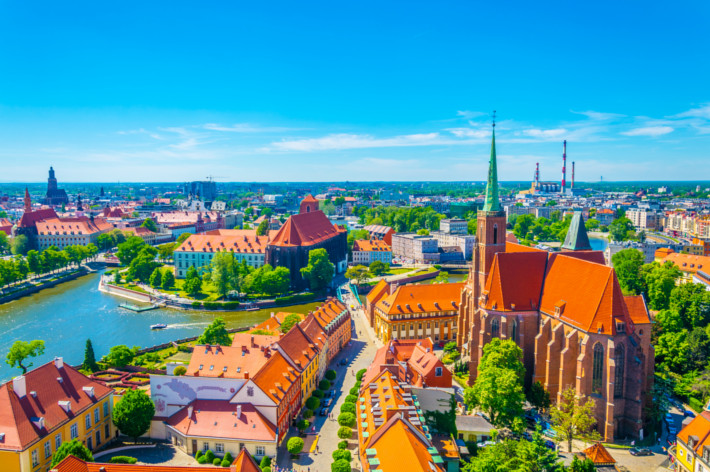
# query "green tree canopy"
(156, 278)
(621, 229)
(320, 271)
(513, 455)
(21, 350)
(377, 268)
(573, 418)
(150, 224)
(359, 272)
(120, 355)
(215, 333)
(133, 414)
(90, 358)
(294, 445)
(168, 282)
(129, 249)
(74, 448)
(263, 228)
(20, 244)
(627, 264)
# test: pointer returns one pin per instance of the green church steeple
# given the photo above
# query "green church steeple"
(492, 203)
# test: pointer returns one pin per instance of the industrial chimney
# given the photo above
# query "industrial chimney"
(537, 175)
(564, 165)
(572, 174)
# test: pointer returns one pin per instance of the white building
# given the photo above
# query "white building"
(453, 226)
(415, 247)
(368, 251)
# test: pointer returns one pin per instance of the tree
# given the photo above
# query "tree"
(165, 251)
(341, 465)
(182, 238)
(150, 224)
(442, 278)
(119, 356)
(133, 414)
(294, 445)
(74, 448)
(627, 264)
(223, 270)
(20, 244)
(303, 424)
(21, 350)
(450, 347)
(692, 303)
(319, 271)
(345, 433)
(579, 465)
(156, 278)
(215, 333)
(358, 272)
(168, 280)
(263, 228)
(342, 454)
(289, 322)
(498, 389)
(659, 281)
(377, 268)
(621, 229)
(180, 370)
(539, 397)
(89, 358)
(193, 286)
(129, 249)
(513, 455)
(572, 419)
(346, 419)
(143, 265)
(33, 261)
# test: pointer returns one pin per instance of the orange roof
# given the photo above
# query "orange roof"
(591, 256)
(245, 462)
(368, 245)
(31, 218)
(417, 353)
(78, 225)
(510, 238)
(587, 295)
(515, 247)
(256, 341)
(599, 455)
(661, 253)
(698, 430)
(314, 331)
(18, 416)
(689, 262)
(74, 464)
(234, 362)
(306, 229)
(217, 419)
(276, 377)
(637, 309)
(515, 281)
(298, 347)
(239, 241)
(328, 311)
(382, 288)
(274, 322)
(422, 299)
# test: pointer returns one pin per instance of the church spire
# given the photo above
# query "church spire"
(492, 203)
(577, 239)
(28, 201)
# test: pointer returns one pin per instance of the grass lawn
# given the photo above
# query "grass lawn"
(399, 270)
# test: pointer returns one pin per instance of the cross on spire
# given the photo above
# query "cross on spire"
(494, 118)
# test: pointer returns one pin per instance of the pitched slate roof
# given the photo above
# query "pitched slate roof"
(306, 229)
(16, 414)
(577, 239)
(515, 281)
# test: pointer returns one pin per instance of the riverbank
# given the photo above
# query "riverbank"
(29, 288)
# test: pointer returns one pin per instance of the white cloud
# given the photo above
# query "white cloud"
(468, 115)
(702, 112)
(358, 141)
(243, 128)
(652, 131)
(469, 132)
(598, 115)
(544, 133)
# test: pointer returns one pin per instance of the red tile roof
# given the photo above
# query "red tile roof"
(298, 347)
(514, 247)
(217, 419)
(238, 241)
(422, 299)
(328, 311)
(382, 288)
(637, 309)
(306, 229)
(234, 362)
(276, 377)
(16, 413)
(515, 281)
(599, 455)
(314, 331)
(79, 225)
(245, 463)
(74, 464)
(31, 218)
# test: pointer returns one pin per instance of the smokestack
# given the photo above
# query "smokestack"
(564, 165)
(573, 174)
(537, 175)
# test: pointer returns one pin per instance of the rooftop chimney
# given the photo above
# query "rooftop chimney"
(59, 362)
(19, 385)
(239, 411)
(190, 410)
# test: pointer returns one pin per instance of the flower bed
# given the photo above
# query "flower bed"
(109, 375)
(137, 380)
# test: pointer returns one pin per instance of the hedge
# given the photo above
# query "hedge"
(122, 460)
(341, 465)
(224, 463)
(360, 374)
(346, 419)
(345, 433)
(217, 461)
(294, 299)
(343, 445)
(202, 460)
(196, 304)
(348, 408)
(342, 454)
(696, 404)
(351, 399)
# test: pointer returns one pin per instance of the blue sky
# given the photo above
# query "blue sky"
(368, 90)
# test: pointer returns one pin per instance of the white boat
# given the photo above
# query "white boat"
(158, 326)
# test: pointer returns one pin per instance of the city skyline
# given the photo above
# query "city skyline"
(400, 92)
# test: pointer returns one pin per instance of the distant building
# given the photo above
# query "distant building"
(688, 264)
(453, 226)
(644, 219)
(55, 195)
(380, 232)
(415, 247)
(204, 190)
(63, 232)
(368, 251)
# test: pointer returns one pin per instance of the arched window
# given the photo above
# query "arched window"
(495, 234)
(619, 373)
(597, 368)
(308, 208)
(495, 328)
(514, 332)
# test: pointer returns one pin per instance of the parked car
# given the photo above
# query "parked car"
(689, 414)
(550, 445)
(669, 417)
(327, 402)
(343, 361)
(672, 431)
(640, 451)
(323, 412)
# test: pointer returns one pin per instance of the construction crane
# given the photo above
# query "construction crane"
(212, 177)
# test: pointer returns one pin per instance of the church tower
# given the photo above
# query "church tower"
(490, 239)
(28, 201)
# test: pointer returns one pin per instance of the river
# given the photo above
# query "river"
(598, 244)
(67, 315)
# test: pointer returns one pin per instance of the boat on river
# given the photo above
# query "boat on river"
(158, 326)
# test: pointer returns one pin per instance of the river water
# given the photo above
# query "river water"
(67, 315)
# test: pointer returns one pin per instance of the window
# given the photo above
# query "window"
(96, 416)
(495, 234)
(47, 450)
(205, 447)
(87, 420)
(495, 328)
(89, 445)
(105, 409)
(107, 431)
(219, 447)
(57, 441)
(98, 437)
(35, 458)
(619, 373)
(439, 371)
(597, 369)
(74, 431)
(260, 451)
(514, 332)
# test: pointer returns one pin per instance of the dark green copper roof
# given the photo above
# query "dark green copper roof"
(577, 239)
(492, 203)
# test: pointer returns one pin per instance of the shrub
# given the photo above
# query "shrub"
(346, 419)
(318, 393)
(331, 375)
(348, 408)
(696, 404)
(266, 469)
(345, 433)
(265, 462)
(341, 465)
(294, 299)
(196, 304)
(343, 445)
(313, 403)
(228, 456)
(303, 425)
(180, 370)
(351, 399)
(217, 461)
(230, 305)
(209, 455)
(202, 460)
(307, 413)
(342, 454)
(354, 391)
(324, 385)
(294, 445)
(224, 463)
(360, 374)
(122, 460)
(358, 384)
(198, 454)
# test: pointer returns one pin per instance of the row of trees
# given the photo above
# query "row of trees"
(401, 219)
(531, 229)
(227, 275)
(361, 273)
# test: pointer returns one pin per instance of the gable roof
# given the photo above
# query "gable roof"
(689, 262)
(370, 245)
(234, 362)
(698, 429)
(422, 299)
(515, 281)
(30, 218)
(79, 225)
(306, 229)
(245, 462)
(218, 419)
(314, 331)
(637, 309)
(382, 288)
(74, 464)
(276, 377)
(298, 347)
(17, 414)
(598, 454)
(273, 323)
(328, 311)
(577, 239)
